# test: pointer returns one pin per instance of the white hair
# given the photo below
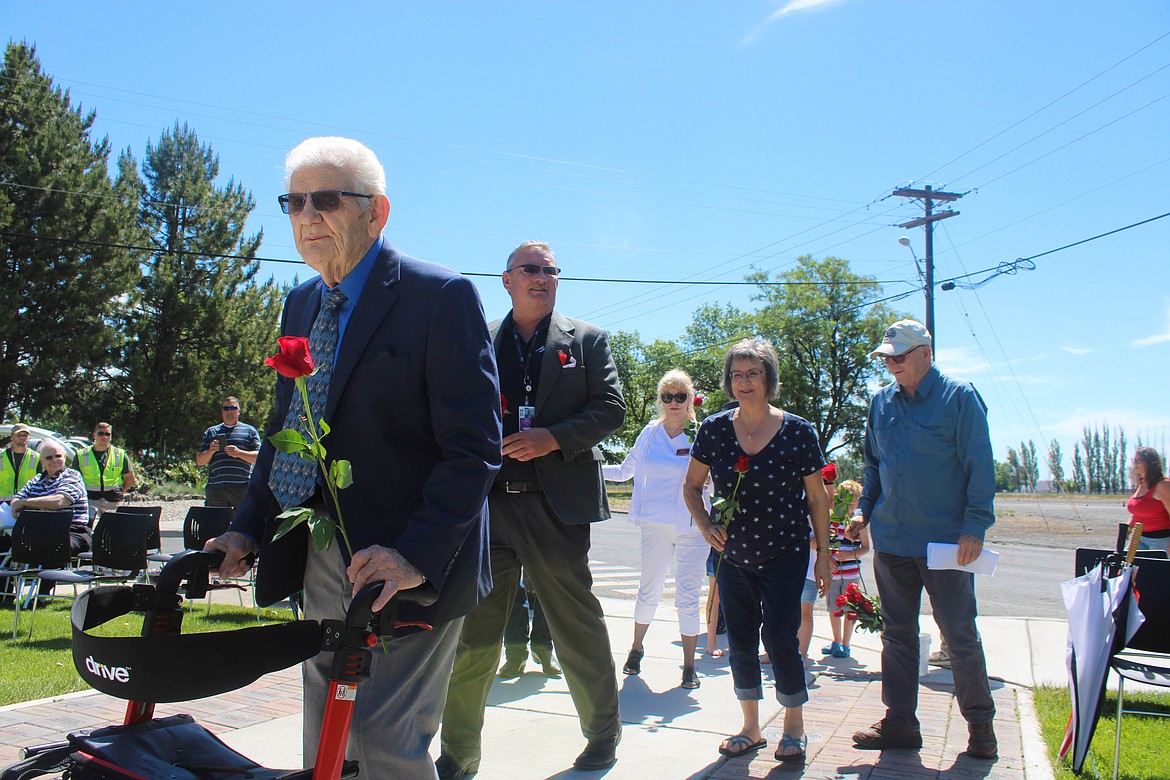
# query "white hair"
(344, 154)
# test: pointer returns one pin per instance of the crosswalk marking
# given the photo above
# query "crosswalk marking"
(615, 580)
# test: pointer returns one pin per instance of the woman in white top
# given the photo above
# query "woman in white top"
(658, 463)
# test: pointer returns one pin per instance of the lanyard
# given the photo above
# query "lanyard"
(526, 353)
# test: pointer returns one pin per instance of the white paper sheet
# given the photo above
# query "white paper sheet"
(946, 556)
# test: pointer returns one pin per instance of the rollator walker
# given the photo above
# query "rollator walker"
(164, 665)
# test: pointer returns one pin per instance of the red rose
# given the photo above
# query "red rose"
(294, 359)
(564, 358)
(741, 464)
(698, 400)
(842, 601)
(851, 616)
(838, 612)
(852, 588)
(829, 473)
(503, 404)
(867, 606)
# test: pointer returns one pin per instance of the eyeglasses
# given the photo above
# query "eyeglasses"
(900, 359)
(103, 433)
(747, 376)
(323, 200)
(532, 269)
(53, 457)
(231, 408)
(678, 398)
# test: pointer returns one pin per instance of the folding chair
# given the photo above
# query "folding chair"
(153, 532)
(1146, 659)
(119, 554)
(40, 542)
(207, 522)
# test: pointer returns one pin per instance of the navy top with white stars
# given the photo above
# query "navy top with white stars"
(773, 517)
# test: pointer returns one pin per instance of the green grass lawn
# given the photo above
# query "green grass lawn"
(43, 667)
(1143, 738)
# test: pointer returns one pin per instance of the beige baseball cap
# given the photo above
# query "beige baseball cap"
(19, 427)
(901, 337)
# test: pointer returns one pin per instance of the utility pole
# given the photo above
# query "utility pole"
(928, 197)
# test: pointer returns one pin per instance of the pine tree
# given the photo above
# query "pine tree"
(61, 219)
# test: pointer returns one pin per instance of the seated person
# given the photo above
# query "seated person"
(58, 487)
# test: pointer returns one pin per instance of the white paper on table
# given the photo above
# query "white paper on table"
(946, 556)
(6, 518)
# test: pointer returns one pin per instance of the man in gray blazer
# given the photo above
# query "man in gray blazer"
(560, 394)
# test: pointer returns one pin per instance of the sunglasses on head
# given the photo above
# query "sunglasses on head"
(323, 200)
(231, 408)
(532, 269)
(678, 398)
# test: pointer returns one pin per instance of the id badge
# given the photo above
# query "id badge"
(527, 417)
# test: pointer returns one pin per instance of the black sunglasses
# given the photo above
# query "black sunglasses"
(323, 200)
(532, 269)
(900, 359)
(230, 408)
(680, 398)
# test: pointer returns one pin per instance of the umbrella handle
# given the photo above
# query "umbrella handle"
(1134, 538)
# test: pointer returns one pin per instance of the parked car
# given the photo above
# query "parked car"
(37, 434)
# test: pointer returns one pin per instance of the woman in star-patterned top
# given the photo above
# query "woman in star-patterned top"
(765, 544)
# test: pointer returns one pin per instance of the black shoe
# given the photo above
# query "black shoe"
(449, 770)
(512, 669)
(690, 678)
(886, 734)
(633, 662)
(982, 743)
(720, 626)
(599, 753)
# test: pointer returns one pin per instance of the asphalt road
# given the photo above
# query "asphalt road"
(1026, 584)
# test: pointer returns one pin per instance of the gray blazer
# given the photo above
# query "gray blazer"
(580, 405)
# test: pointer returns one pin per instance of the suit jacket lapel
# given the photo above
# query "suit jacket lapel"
(377, 298)
(560, 339)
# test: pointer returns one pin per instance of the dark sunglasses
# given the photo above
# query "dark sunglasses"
(900, 359)
(323, 200)
(678, 398)
(231, 408)
(532, 269)
(103, 433)
(52, 457)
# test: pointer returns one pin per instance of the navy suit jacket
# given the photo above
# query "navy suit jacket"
(414, 405)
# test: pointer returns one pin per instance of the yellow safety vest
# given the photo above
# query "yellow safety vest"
(12, 481)
(91, 470)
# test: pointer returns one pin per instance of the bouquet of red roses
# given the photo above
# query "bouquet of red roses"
(855, 605)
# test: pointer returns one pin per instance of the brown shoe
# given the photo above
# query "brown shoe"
(886, 734)
(982, 743)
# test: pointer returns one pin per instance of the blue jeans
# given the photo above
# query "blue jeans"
(900, 581)
(770, 597)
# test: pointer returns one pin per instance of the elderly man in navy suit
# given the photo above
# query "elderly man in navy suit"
(408, 384)
(561, 393)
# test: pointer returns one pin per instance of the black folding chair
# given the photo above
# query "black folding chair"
(40, 543)
(118, 555)
(153, 531)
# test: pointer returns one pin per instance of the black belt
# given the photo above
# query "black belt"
(519, 487)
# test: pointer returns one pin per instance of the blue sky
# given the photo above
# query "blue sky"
(698, 140)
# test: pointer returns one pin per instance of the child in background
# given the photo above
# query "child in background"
(845, 564)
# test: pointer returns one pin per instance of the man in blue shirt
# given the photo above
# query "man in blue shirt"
(228, 450)
(929, 477)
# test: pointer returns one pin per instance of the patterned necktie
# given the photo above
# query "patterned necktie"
(293, 478)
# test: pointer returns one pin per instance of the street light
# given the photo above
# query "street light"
(926, 279)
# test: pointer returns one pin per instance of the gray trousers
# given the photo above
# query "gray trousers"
(397, 711)
(900, 581)
(555, 558)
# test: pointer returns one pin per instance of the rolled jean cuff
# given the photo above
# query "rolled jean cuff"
(798, 699)
(749, 694)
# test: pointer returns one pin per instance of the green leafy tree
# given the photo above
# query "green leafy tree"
(1015, 471)
(712, 330)
(202, 324)
(1029, 466)
(61, 219)
(1003, 477)
(1055, 462)
(823, 322)
(1079, 478)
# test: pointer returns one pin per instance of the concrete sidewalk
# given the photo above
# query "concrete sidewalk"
(532, 731)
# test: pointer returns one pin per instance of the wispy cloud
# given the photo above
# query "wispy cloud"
(961, 362)
(1078, 350)
(788, 7)
(1157, 338)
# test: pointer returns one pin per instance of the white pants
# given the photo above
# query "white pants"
(660, 544)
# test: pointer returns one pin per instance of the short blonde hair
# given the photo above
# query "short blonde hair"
(850, 485)
(675, 377)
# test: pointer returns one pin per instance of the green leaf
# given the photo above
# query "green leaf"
(342, 474)
(323, 529)
(317, 450)
(292, 518)
(718, 502)
(288, 441)
(324, 428)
